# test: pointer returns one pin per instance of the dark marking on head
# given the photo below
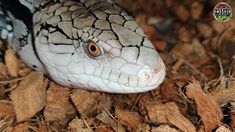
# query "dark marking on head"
(19, 11)
(34, 66)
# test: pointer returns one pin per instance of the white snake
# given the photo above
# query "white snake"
(90, 44)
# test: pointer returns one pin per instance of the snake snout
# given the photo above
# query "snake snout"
(151, 77)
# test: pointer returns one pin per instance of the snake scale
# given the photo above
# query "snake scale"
(89, 44)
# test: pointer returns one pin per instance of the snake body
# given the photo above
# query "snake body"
(90, 44)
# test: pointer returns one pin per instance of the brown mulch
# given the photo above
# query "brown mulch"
(198, 93)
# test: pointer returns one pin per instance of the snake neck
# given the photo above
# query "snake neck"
(6, 30)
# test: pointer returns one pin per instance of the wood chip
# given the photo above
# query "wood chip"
(58, 108)
(129, 119)
(23, 127)
(184, 35)
(206, 106)
(105, 102)
(222, 129)
(196, 10)
(169, 3)
(6, 110)
(2, 91)
(11, 63)
(160, 45)
(3, 71)
(1, 44)
(219, 27)
(78, 125)
(182, 13)
(205, 30)
(145, 99)
(169, 90)
(183, 50)
(232, 115)
(199, 50)
(226, 44)
(164, 128)
(169, 113)
(103, 129)
(7, 115)
(106, 118)
(30, 96)
(85, 101)
(223, 96)
(149, 30)
(24, 71)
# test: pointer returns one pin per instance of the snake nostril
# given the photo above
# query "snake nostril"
(146, 74)
(157, 70)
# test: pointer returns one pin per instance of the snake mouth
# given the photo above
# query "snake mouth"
(111, 80)
(147, 79)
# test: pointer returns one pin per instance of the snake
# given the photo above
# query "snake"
(87, 44)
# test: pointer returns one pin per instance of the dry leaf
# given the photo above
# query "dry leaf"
(30, 96)
(11, 62)
(206, 106)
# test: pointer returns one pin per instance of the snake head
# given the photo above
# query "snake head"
(128, 66)
(112, 53)
(119, 56)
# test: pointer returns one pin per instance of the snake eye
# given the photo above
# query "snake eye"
(93, 49)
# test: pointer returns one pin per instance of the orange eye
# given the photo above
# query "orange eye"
(93, 49)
